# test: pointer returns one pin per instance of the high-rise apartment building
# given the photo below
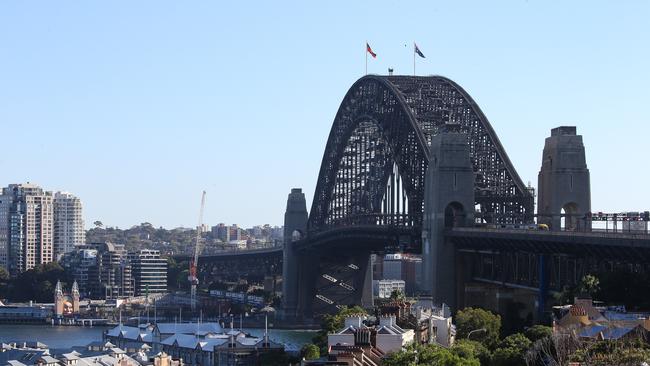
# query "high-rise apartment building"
(114, 270)
(227, 233)
(102, 270)
(26, 234)
(149, 272)
(5, 204)
(68, 224)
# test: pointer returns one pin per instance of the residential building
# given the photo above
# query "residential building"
(227, 233)
(149, 272)
(392, 267)
(431, 324)
(102, 270)
(205, 344)
(384, 288)
(69, 229)
(27, 229)
(16, 353)
(115, 278)
(405, 267)
(387, 337)
(587, 321)
(5, 205)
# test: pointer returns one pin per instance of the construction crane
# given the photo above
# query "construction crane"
(193, 278)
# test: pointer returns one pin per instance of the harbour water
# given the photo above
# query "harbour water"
(61, 337)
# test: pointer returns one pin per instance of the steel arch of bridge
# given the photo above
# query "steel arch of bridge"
(374, 164)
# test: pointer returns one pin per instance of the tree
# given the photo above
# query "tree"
(275, 358)
(310, 352)
(537, 332)
(98, 224)
(4, 275)
(470, 319)
(589, 285)
(397, 295)
(428, 355)
(466, 348)
(512, 351)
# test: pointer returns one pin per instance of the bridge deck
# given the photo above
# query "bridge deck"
(616, 246)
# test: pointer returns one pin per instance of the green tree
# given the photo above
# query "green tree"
(37, 283)
(4, 275)
(397, 295)
(469, 349)
(589, 285)
(275, 358)
(511, 351)
(429, 355)
(470, 319)
(98, 224)
(537, 332)
(310, 352)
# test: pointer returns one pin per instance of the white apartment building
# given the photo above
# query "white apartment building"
(384, 288)
(26, 227)
(39, 238)
(68, 223)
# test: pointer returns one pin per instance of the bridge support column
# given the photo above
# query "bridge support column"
(448, 202)
(543, 288)
(367, 300)
(295, 227)
(563, 182)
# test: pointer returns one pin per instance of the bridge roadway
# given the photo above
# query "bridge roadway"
(625, 247)
(252, 264)
(628, 247)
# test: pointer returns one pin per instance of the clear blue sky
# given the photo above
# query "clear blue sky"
(136, 106)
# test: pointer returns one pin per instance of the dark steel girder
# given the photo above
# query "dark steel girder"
(381, 136)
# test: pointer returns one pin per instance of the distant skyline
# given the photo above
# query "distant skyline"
(136, 107)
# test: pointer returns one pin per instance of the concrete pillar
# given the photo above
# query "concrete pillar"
(448, 202)
(563, 181)
(367, 300)
(295, 228)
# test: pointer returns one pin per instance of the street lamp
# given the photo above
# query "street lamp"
(476, 330)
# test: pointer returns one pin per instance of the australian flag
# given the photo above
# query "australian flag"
(417, 50)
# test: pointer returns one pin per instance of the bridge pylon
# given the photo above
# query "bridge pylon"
(448, 202)
(563, 182)
(295, 228)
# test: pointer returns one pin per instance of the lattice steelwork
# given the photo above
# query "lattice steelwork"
(376, 156)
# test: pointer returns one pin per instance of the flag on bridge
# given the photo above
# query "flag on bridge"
(417, 50)
(369, 50)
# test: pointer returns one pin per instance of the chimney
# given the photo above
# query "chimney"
(354, 320)
(387, 320)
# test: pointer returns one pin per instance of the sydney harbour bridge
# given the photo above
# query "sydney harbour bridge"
(413, 165)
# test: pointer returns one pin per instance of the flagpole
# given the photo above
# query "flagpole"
(366, 52)
(413, 58)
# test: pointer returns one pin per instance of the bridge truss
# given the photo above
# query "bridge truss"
(375, 160)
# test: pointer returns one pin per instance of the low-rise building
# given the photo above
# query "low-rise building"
(205, 344)
(38, 354)
(431, 324)
(587, 321)
(387, 337)
(382, 289)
